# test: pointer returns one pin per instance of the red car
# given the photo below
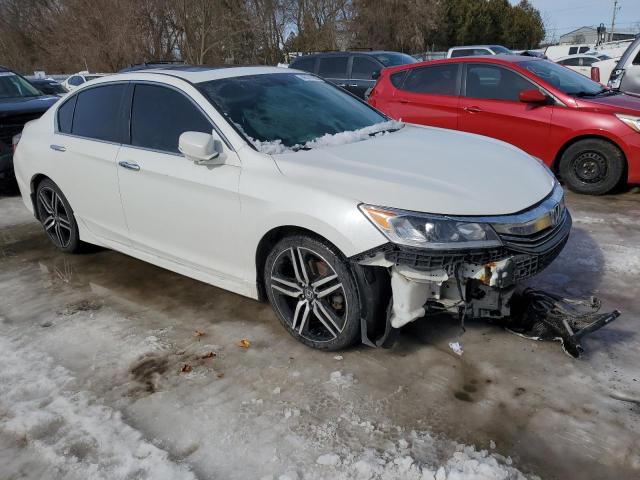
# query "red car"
(587, 134)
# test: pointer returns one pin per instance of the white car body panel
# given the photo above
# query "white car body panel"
(427, 174)
(206, 222)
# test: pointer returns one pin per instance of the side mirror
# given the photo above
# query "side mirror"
(532, 96)
(201, 148)
(376, 75)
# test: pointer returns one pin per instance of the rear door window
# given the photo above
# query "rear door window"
(491, 82)
(433, 80)
(159, 115)
(570, 62)
(308, 64)
(97, 113)
(363, 68)
(333, 67)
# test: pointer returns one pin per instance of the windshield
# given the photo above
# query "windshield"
(500, 49)
(562, 78)
(287, 109)
(390, 59)
(14, 86)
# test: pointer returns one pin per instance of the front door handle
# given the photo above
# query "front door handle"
(403, 100)
(58, 148)
(472, 109)
(353, 85)
(129, 165)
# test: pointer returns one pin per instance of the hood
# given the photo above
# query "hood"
(617, 103)
(425, 169)
(24, 105)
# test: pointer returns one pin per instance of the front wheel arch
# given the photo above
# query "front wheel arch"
(269, 240)
(555, 165)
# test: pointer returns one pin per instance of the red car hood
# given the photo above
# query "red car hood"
(618, 103)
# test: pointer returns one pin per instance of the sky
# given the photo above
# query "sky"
(562, 16)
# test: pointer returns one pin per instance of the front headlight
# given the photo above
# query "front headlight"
(630, 120)
(430, 231)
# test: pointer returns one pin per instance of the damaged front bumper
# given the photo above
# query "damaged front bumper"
(477, 283)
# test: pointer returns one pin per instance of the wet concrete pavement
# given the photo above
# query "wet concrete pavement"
(125, 330)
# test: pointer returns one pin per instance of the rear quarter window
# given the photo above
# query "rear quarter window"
(397, 78)
(65, 115)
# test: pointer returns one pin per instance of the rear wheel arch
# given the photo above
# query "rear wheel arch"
(35, 181)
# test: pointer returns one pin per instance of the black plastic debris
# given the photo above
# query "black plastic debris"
(539, 315)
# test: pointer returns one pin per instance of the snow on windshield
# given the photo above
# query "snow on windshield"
(328, 140)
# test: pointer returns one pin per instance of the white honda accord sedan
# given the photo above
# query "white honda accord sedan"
(277, 185)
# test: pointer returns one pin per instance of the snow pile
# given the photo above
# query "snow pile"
(466, 463)
(329, 140)
(77, 436)
(457, 349)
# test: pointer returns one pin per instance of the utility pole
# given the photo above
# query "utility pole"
(613, 19)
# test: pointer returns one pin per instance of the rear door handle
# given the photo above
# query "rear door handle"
(472, 109)
(129, 165)
(354, 85)
(403, 100)
(58, 148)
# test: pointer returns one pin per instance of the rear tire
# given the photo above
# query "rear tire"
(313, 292)
(592, 166)
(56, 216)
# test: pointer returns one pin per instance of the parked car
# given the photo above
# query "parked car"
(626, 74)
(584, 132)
(49, 86)
(20, 102)
(597, 67)
(475, 50)
(74, 81)
(165, 64)
(355, 71)
(274, 183)
(554, 52)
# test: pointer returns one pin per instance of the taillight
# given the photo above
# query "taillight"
(595, 74)
(14, 141)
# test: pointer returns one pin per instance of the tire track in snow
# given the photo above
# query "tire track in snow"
(71, 431)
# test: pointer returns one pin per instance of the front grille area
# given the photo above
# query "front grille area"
(531, 253)
(539, 242)
(445, 260)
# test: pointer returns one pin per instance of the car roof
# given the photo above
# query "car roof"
(203, 73)
(347, 52)
(577, 55)
(497, 59)
(476, 46)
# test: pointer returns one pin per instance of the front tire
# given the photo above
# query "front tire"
(592, 166)
(56, 216)
(312, 290)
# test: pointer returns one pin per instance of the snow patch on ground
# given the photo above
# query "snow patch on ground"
(329, 140)
(399, 462)
(71, 431)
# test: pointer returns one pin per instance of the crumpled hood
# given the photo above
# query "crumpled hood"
(425, 169)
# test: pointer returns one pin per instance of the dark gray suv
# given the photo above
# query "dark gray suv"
(355, 71)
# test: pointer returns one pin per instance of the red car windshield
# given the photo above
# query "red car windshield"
(564, 79)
